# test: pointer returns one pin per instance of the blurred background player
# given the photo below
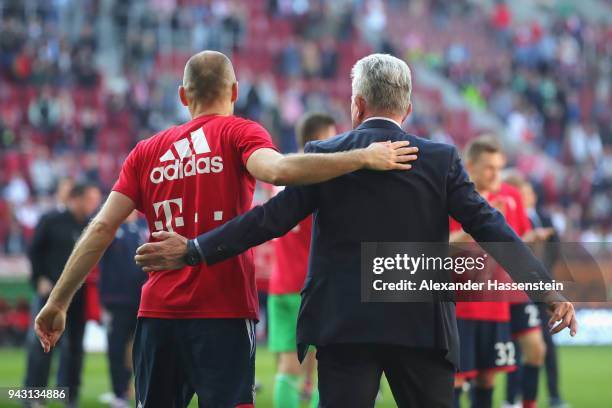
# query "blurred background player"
(54, 238)
(286, 283)
(543, 232)
(119, 285)
(526, 326)
(484, 327)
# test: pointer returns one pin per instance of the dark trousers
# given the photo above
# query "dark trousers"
(349, 376)
(120, 332)
(177, 358)
(71, 354)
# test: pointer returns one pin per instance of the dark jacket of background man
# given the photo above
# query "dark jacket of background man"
(53, 241)
(54, 238)
(120, 278)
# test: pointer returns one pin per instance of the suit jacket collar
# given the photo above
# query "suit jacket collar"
(378, 124)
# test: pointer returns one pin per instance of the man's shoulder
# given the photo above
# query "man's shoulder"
(509, 190)
(329, 145)
(158, 143)
(180, 129)
(236, 120)
(349, 140)
(435, 156)
(432, 151)
(343, 141)
(159, 138)
(53, 216)
(156, 138)
(56, 213)
(434, 148)
(234, 123)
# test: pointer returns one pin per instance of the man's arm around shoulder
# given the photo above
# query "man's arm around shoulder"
(272, 167)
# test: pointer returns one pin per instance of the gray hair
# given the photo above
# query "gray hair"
(384, 81)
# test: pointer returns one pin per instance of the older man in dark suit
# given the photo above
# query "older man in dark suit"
(414, 344)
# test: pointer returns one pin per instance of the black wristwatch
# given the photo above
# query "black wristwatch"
(192, 257)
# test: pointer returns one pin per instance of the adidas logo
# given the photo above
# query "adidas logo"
(187, 148)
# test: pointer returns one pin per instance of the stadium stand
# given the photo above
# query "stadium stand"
(72, 103)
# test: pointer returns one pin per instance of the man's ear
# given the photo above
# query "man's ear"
(183, 95)
(361, 106)
(469, 165)
(234, 92)
(408, 112)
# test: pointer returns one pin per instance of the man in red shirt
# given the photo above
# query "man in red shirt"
(286, 283)
(195, 326)
(526, 317)
(484, 327)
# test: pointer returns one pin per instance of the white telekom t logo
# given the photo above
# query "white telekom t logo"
(167, 209)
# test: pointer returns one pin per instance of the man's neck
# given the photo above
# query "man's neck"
(478, 188)
(486, 191)
(75, 214)
(395, 119)
(197, 112)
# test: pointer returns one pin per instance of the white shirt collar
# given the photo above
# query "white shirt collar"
(382, 118)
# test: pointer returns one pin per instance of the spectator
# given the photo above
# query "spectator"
(44, 111)
(41, 173)
(14, 241)
(17, 191)
(311, 59)
(291, 60)
(501, 20)
(329, 58)
(55, 236)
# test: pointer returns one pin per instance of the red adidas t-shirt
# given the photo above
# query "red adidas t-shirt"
(291, 264)
(516, 217)
(190, 179)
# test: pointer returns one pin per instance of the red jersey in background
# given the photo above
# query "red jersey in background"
(291, 264)
(516, 216)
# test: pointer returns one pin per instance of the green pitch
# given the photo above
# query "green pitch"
(586, 374)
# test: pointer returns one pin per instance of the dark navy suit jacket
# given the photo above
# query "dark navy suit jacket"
(372, 206)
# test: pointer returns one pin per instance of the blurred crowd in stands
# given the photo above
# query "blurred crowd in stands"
(82, 81)
(555, 92)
